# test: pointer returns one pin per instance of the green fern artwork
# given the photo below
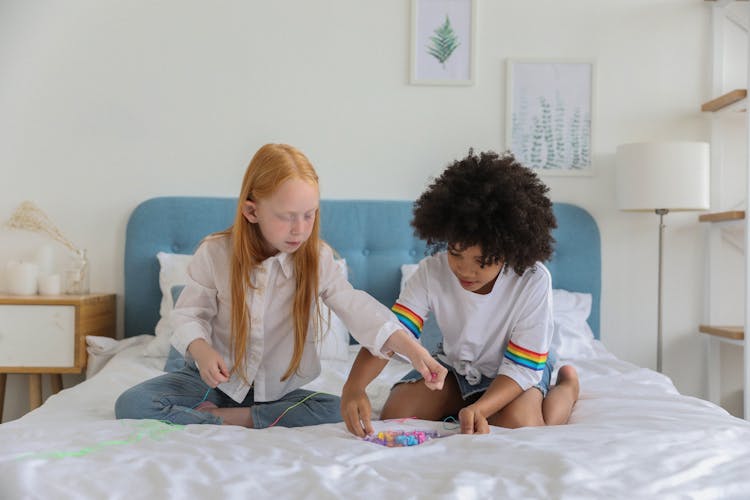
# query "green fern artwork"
(444, 42)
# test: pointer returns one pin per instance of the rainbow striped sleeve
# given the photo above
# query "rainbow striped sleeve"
(409, 319)
(525, 357)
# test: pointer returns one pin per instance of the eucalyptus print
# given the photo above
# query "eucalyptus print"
(551, 114)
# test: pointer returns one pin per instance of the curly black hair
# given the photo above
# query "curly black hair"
(491, 201)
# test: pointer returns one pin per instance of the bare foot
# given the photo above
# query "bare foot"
(231, 416)
(568, 376)
(558, 405)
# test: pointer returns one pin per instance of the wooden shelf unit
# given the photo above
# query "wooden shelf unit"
(726, 20)
(730, 215)
(725, 100)
(727, 332)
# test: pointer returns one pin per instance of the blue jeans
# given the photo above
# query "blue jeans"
(171, 397)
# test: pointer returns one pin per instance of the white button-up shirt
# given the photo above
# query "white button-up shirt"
(203, 311)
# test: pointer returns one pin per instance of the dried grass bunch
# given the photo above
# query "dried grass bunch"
(30, 217)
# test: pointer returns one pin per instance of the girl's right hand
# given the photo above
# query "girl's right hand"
(211, 365)
(431, 370)
(356, 411)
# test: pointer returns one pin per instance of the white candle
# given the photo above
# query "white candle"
(50, 284)
(22, 278)
(45, 259)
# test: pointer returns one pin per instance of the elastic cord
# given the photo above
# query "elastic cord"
(451, 420)
(202, 400)
(293, 406)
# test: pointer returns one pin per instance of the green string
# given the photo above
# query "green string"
(145, 429)
(293, 406)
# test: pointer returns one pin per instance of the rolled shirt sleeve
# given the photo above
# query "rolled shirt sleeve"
(369, 322)
(197, 306)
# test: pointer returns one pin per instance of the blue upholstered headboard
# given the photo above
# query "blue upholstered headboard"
(374, 237)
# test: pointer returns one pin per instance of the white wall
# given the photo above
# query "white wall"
(105, 103)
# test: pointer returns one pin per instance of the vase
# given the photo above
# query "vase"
(77, 275)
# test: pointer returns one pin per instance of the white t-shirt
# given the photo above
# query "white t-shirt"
(204, 311)
(506, 332)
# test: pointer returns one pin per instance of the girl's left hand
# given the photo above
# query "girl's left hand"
(472, 421)
(211, 365)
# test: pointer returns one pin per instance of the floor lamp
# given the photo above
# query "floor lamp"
(662, 177)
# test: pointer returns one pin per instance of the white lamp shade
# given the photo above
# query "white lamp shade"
(656, 175)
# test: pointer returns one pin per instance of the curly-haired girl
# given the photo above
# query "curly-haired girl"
(487, 221)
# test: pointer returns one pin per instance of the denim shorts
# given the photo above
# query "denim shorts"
(476, 390)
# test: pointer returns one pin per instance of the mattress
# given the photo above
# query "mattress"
(631, 435)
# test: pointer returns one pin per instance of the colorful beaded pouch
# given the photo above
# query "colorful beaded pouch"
(393, 439)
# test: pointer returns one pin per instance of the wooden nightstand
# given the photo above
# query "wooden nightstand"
(47, 334)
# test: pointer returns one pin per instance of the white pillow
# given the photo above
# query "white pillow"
(573, 337)
(172, 272)
(335, 341)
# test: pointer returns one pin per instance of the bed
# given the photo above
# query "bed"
(631, 434)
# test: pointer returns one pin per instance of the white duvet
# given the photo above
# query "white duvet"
(631, 435)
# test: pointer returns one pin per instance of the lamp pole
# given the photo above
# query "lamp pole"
(661, 212)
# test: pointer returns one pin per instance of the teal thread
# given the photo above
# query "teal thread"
(448, 420)
(202, 400)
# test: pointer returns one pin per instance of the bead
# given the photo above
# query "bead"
(393, 439)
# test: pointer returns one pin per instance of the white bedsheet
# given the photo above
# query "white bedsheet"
(631, 435)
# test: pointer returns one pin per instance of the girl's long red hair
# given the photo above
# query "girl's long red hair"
(271, 166)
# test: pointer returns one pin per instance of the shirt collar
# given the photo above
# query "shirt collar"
(286, 262)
